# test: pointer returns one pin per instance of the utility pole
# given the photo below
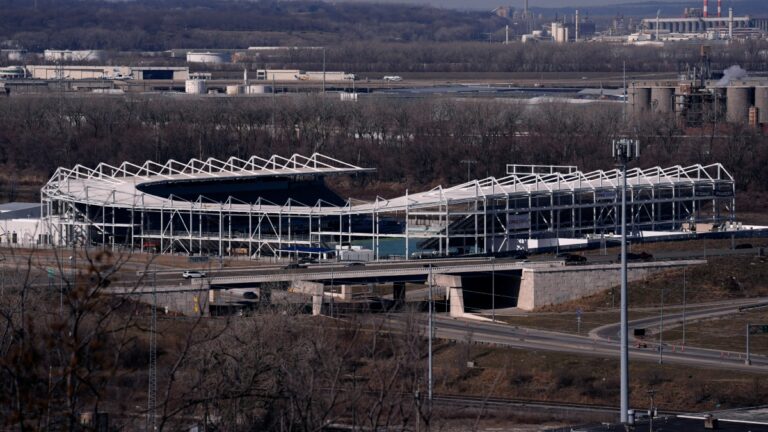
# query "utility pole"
(152, 385)
(493, 289)
(469, 163)
(652, 411)
(431, 324)
(624, 85)
(683, 307)
(624, 150)
(661, 329)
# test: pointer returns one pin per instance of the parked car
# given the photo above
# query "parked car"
(292, 266)
(355, 264)
(744, 246)
(193, 274)
(308, 260)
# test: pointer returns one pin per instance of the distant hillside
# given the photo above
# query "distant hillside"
(164, 24)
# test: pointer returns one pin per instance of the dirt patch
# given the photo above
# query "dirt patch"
(548, 376)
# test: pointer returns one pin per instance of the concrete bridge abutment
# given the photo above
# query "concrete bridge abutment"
(547, 286)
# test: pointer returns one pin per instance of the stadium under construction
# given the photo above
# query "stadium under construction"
(282, 206)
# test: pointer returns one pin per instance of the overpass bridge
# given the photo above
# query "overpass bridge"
(376, 274)
(467, 286)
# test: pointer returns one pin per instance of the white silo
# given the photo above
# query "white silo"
(195, 86)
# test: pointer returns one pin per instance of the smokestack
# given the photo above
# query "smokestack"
(719, 8)
(730, 23)
(577, 25)
(706, 9)
(525, 8)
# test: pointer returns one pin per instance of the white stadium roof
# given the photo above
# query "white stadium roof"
(116, 186)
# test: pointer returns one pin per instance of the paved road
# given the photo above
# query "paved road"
(672, 320)
(506, 335)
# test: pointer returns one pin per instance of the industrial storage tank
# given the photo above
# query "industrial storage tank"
(258, 89)
(761, 103)
(235, 89)
(738, 103)
(14, 54)
(73, 55)
(195, 86)
(640, 99)
(662, 99)
(207, 57)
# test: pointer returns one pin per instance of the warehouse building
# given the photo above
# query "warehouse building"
(78, 72)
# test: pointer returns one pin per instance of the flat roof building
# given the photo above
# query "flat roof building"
(78, 72)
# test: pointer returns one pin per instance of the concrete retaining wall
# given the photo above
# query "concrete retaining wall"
(548, 286)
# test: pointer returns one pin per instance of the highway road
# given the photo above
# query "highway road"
(525, 338)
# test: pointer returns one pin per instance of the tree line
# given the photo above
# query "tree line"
(161, 25)
(413, 143)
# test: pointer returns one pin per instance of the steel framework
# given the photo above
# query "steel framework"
(107, 206)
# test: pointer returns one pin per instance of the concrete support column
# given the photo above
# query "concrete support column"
(313, 289)
(398, 293)
(453, 292)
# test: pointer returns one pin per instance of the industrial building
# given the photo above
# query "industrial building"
(695, 25)
(54, 72)
(277, 205)
(700, 21)
(701, 97)
(300, 75)
(739, 101)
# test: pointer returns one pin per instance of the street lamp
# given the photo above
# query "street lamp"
(624, 150)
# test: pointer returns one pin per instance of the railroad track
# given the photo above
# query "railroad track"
(497, 402)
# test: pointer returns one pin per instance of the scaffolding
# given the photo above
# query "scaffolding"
(110, 206)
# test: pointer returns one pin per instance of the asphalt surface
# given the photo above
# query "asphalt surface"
(469, 330)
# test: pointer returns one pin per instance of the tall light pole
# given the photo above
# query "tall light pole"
(431, 324)
(624, 150)
(323, 70)
(469, 163)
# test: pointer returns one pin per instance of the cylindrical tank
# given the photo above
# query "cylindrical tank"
(761, 103)
(234, 89)
(258, 89)
(738, 103)
(195, 86)
(639, 99)
(15, 54)
(662, 99)
(207, 57)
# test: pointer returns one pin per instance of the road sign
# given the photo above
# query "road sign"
(51, 272)
(758, 329)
